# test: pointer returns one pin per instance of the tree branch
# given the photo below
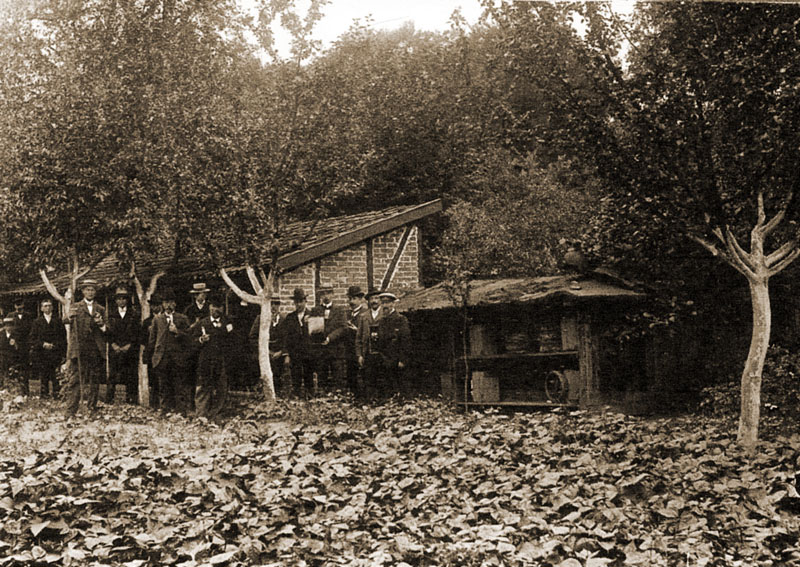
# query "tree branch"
(788, 259)
(251, 274)
(762, 215)
(151, 289)
(267, 281)
(244, 296)
(51, 288)
(737, 251)
(782, 252)
(778, 218)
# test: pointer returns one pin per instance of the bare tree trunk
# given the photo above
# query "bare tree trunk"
(753, 368)
(144, 302)
(262, 297)
(264, 365)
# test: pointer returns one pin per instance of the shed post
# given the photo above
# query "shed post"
(588, 358)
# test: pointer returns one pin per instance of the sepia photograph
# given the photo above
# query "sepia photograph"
(462, 283)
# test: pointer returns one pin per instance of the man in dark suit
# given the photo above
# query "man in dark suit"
(297, 345)
(215, 335)
(155, 308)
(367, 355)
(124, 335)
(87, 350)
(275, 343)
(23, 321)
(394, 345)
(9, 347)
(168, 343)
(358, 306)
(47, 341)
(330, 349)
(198, 308)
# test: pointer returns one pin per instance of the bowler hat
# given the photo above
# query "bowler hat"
(199, 287)
(372, 293)
(19, 301)
(216, 299)
(167, 295)
(355, 291)
(298, 295)
(122, 291)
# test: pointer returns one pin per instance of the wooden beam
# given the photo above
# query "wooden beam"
(401, 247)
(370, 266)
(342, 241)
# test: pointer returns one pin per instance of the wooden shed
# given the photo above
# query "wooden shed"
(520, 341)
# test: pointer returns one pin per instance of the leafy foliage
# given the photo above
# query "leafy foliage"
(405, 483)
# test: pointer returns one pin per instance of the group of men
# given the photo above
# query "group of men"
(364, 348)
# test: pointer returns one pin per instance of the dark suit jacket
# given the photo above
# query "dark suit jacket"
(394, 338)
(10, 355)
(367, 331)
(221, 343)
(24, 322)
(162, 342)
(335, 329)
(194, 314)
(86, 334)
(125, 331)
(44, 332)
(275, 338)
(296, 340)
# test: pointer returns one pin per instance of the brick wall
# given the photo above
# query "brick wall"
(349, 267)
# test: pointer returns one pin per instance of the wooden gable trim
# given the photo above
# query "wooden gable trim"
(401, 247)
(347, 239)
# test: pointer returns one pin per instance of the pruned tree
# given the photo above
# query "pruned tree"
(694, 134)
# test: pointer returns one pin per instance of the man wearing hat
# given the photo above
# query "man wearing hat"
(367, 355)
(23, 321)
(169, 344)
(331, 348)
(9, 346)
(358, 306)
(394, 344)
(275, 342)
(154, 301)
(297, 345)
(47, 341)
(215, 337)
(198, 308)
(124, 335)
(88, 348)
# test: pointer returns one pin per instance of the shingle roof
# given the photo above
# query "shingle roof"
(328, 236)
(484, 292)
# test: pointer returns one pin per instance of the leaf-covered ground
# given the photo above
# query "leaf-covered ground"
(419, 483)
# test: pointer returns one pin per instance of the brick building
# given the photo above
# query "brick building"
(377, 249)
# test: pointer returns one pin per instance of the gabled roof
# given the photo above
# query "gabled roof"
(327, 237)
(486, 292)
